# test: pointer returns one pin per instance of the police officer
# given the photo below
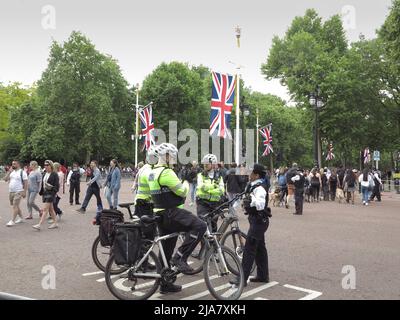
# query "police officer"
(299, 182)
(74, 183)
(168, 195)
(256, 208)
(143, 201)
(210, 188)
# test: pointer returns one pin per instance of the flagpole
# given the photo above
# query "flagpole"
(237, 151)
(137, 126)
(257, 133)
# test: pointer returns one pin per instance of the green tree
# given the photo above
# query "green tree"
(83, 106)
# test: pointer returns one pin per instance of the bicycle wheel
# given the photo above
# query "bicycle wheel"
(218, 274)
(127, 285)
(236, 240)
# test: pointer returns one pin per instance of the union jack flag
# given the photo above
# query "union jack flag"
(330, 155)
(223, 96)
(147, 124)
(266, 132)
(367, 156)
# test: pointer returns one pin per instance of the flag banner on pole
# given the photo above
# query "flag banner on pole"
(223, 97)
(330, 155)
(367, 156)
(266, 133)
(147, 125)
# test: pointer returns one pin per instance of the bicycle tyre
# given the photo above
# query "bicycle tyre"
(214, 293)
(117, 294)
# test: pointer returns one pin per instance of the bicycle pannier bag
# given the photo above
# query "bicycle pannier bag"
(108, 220)
(127, 243)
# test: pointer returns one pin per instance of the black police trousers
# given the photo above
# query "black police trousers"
(143, 208)
(204, 208)
(299, 200)
(74, 187)
(180, 220)
(255, 249)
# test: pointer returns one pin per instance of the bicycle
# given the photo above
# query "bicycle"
(101, 254)
(136, 282)
(234, 239)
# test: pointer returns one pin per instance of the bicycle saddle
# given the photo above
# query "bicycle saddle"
(150, 220)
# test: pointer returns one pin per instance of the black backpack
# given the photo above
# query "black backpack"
(127, 243)
(351, 181)
(108, 221)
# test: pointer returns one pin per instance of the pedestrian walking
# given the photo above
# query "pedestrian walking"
(377, 188)
(57, 198)
(333, 182)
(315, 182)
(17, 187)
(48, 191)
(349, 182)
(289, 175)
(367, 183)
(94, 186)
(34, 185)
(233, 183)
(324, 184)
(113, 184)
(282, 182)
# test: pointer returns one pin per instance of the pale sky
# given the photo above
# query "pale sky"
(142, 34)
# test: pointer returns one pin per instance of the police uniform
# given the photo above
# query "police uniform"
(210, 189)
(143, 201)
(168, 195)
(299, 182)
(259, 213)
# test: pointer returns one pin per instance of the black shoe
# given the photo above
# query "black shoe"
(81, 210)
(235, 281)
(181, 265)
(170, 288)
(259, 280)
(77, 204)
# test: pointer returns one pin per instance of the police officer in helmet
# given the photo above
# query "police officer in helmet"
(168, 194)
(210, 188)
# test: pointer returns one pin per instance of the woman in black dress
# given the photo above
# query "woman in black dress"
(50, 187)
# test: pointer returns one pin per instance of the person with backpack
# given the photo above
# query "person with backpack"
(333, 182)
(282, 182)
(350, 185)
(315, 182)
(18, 185)
(256, 207)
(74, 183)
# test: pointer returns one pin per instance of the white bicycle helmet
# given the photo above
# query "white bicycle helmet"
(152, 155)
(169, 148)
(209, 158)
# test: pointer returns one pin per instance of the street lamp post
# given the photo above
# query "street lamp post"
(317, 103)
(245, 109)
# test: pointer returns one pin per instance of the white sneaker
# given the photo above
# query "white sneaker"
(366, 204)
(50, 221)
(19, 220)
(36, 226)
(53, 226)
(10, 223)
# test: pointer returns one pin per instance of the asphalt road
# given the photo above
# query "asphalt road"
(307, 254)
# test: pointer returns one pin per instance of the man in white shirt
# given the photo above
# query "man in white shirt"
(18, 185)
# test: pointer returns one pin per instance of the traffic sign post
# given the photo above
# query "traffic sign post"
(377, 158)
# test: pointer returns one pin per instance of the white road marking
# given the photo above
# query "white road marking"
(205, 293)
(92, 273)
(311, 293)
(259, 298)
(258, 289)
(185, 286)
